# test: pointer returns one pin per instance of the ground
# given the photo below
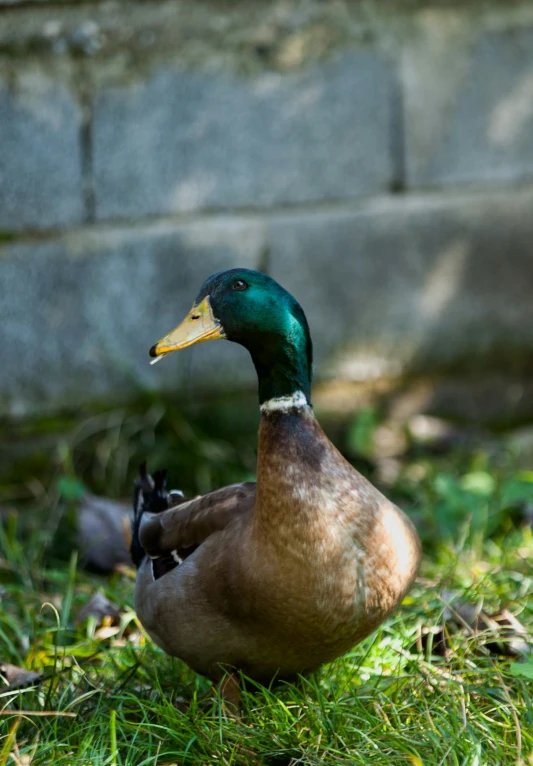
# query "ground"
(436, 684)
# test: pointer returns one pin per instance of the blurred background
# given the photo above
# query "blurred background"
(375, 157)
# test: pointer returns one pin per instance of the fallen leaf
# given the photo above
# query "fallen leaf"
(501, 632)
(99, 607)
(106, 632)
(16, 677)
(461, 613)
(515, 639)
(103, 532)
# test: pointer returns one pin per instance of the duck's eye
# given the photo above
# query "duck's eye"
(239, 284)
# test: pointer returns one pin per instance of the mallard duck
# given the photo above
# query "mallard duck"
(278, 576)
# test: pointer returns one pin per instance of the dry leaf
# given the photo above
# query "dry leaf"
(516, 641)
(107, 632)
(103, 531)
(99, 607)
(16, 677)
(502, 633)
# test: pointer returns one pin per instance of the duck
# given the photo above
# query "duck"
(272, 578)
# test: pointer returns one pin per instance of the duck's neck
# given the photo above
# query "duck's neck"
(284, 385)
(283, 368)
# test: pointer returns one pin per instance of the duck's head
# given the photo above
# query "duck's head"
(252, 309)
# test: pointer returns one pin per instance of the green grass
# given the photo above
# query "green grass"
(114, 693)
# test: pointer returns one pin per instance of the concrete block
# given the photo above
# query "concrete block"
(78, 314)
(468, 105)
(185, 140)
(41, 183)
(395, 286)
(411, 285)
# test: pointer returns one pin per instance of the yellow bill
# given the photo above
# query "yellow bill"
(198, 326)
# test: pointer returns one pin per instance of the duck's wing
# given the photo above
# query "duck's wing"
(184, 527)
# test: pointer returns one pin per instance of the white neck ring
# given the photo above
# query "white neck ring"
(285, 403)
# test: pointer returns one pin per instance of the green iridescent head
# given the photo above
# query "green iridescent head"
(252, 309)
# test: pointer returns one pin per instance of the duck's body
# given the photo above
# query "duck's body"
(296, 578)
(278, 577)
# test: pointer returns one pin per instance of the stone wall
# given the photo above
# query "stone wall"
(378, 161)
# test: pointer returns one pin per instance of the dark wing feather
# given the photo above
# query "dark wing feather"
(149, 495)
(187, 525)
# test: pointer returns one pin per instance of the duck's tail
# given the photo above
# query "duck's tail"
(149, 495)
